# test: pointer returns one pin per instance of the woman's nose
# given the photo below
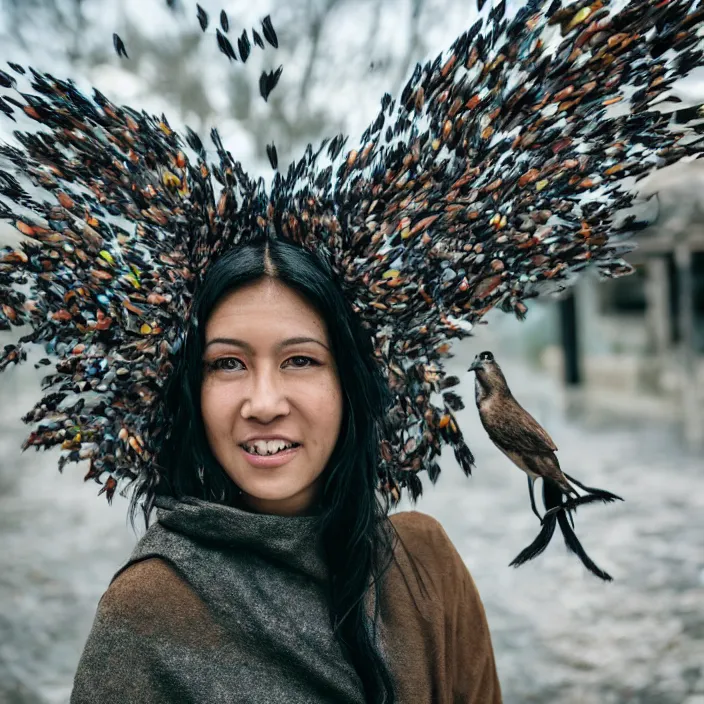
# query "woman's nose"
(266, 398)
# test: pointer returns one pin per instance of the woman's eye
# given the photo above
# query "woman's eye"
(232, 364)
(301, 362)
(228, 364)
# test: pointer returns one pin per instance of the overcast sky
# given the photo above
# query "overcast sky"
(352, 105)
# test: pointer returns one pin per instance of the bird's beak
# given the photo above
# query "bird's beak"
(476, 364)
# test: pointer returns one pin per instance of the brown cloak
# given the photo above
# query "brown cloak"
(221, 605)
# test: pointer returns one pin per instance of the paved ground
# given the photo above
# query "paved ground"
(560, 634)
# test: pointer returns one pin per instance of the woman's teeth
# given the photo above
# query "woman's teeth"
(268, 447)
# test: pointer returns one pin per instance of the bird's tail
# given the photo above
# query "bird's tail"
(593, 494)
(539, 544)
(552, 495)
(558, 512)
(553, 502)
(575, 546)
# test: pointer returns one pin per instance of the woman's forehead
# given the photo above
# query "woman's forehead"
(266, 310)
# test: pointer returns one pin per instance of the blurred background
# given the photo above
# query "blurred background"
(614, 371)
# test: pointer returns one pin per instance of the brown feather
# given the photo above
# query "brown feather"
(509, 424)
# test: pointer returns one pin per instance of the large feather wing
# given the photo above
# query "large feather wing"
(505, 163)
(502, 170)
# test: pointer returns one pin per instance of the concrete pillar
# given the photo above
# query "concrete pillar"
(692, 413)
(658, 318)
(570, 340)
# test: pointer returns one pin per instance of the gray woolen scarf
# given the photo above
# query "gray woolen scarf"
(262, 580)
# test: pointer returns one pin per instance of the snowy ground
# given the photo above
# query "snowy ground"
(560, 634)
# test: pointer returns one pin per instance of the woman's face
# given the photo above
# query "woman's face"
(270, 381)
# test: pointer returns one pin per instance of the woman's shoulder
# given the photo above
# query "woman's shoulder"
(425, 552)
(422, 533)
(150, 595)
(415, 520)
(438, 632)
(141, 579)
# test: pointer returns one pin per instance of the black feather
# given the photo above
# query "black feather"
(274, 78)
(225, 46)
(449, 381)
(257, 39)
(273, 156)
(541, 541)
(572, 504)
(333, 149)
(593, 495)
(16, 67)
(263, 85)
(244, 46)
(6, 80)
(194, 142)
(268, 81)
(453, 401)
(15, 102)
(497, 12)
(601, 492)
(224, 21)
(575, 546)
(433, 472)
(202, 18)
(5, 108)
(269, 32)
(119, 46)
(553, 498)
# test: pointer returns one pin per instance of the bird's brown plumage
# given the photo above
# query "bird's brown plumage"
(513, 430)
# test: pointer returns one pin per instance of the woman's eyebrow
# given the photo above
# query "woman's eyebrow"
(246, 346)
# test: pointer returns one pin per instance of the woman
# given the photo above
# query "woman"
(274, 573)
(504, 168)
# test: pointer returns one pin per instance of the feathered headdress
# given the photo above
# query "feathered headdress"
(498, 171)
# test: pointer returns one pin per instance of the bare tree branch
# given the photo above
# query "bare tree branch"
(376, 21)
(413, 42)
(316, 31)
(172, 69)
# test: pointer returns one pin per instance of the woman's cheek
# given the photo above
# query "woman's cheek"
(216, 404)
(325, 397)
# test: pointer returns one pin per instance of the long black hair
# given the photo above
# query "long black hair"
(355, 533)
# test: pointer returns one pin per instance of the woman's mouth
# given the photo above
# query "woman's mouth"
(268, 447)
(269, 455)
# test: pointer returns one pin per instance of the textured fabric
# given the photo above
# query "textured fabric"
(222, 605)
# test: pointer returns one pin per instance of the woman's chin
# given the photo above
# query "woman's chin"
(280, 496)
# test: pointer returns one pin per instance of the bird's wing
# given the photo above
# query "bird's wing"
(511, 427)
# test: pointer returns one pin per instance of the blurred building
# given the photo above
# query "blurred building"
(644, 334)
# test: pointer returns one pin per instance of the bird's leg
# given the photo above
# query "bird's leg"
(532, 498)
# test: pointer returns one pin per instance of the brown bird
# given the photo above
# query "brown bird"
(520, 437)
